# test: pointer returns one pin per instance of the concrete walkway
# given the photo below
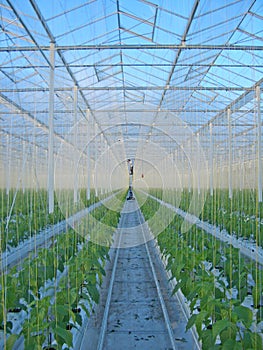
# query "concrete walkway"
(136, 318)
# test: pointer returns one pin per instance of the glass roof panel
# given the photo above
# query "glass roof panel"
(129, 62)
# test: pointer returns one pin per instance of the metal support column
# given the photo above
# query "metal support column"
(230, 160)
(75, 160)
(8, 164)
(88, 155)
(22, 165)
(198, 168)
(51, 132)
(95, 158)
(211, 161)
(259, 145)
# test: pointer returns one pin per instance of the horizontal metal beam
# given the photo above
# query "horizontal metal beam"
(114, 88)
(134, 47)
(165, 110)
(121, 64)
(137, 110)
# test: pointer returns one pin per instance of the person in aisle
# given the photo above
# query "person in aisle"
(130, 168)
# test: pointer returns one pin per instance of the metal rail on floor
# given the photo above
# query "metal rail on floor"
(164, 309)
(102, 335)
(107, 306)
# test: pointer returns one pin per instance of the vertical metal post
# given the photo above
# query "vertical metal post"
(259, 145)
(182, 170)
(101, 160)
(198, 164)
(95, 158)
(108, 167)
(241, 165)
(230, 160)
(189, 168)
(88, 156)
(51, 132)
(75, 160)
(36, 166)
(211, 160)
(8, 163)
(22, 167)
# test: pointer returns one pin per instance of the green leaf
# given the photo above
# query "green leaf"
(73, 296)
(252, 341)
(219, 326)
(94, 293)
(176, 288)
(62, 310)
(11, 341)
(35, 328)
(191, 322)
(231, 344)
(83, 306)
(60, 266)
(244, 314)
(208, 343)
(78, 319)
(197, 320)
(228, 333)
(31, 345)
(64, 334)
(219, 294)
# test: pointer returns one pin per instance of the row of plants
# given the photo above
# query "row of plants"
(223, 290)
(52, 290)
(241, 216)
(25, 213)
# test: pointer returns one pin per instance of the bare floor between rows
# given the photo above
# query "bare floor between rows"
(136, 318)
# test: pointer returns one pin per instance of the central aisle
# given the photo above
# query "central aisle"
(136, 318)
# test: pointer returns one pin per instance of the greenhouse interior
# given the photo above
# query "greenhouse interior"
(131, 174)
